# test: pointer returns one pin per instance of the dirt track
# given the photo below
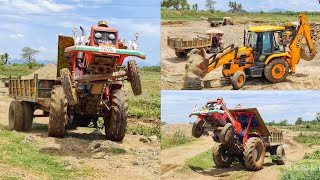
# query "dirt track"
(173, 68)
(172, 159)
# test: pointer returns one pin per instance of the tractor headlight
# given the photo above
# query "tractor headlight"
(98, 35)
(111, 36)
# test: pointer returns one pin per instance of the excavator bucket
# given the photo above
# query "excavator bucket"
(198, 63)
(305, 54)
(315, 36)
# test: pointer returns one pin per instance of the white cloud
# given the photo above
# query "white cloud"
(40, 6)
(42, 49)
(17, 36)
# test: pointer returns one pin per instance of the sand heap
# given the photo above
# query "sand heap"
(46, 72)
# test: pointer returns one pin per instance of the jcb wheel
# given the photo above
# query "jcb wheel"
(277, 70)
(27, 115)
(134, 77)
(69, 91)
(238, 80)
(220, 156)
(254, 153)
(115, 126)
(197, 128)
(16, 116)
(181, 54)
(226, 133)
(58, 113)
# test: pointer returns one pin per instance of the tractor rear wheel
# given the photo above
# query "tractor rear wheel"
(226, 133)
(280, 156)
(16, 116)
(66, 82)
(134, 77)
(238, 80)
(220, 156)
(27, 115)
(276, 71)
(254, 153)
(58, 113)
(197, 128)
(115, 126)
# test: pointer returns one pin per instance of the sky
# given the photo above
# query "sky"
(265, 5)
(272, 105)
(37, 23)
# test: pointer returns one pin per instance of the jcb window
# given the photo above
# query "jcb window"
(266, 43)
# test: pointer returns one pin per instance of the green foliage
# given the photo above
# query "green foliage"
(307, 169)
(308, 139)
(176, 4)
(151, 68)
(200, 162)
(210, 5)
(314, 155)
(299, 121)
(17, 69)
(145, 131)
(29, 55)
(281, 123)
(178, 138)
(236, 7)
(4, 59)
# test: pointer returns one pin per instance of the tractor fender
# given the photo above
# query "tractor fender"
(250, 135)
(285, 55)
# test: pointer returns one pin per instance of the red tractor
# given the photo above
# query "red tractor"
(240, 135)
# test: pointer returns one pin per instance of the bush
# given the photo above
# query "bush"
(145, 131)
(309, 140)
(178, 138)
(314, 155)
(305, 170)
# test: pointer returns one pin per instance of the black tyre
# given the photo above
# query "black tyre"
(115, 125)
(16, 116)
(197, 128)
(254, 153)
(134, 77)
(27, 115)
(58, 113)
(276, 70)
(66, 82)
(220, 156)
(280, 155)
(238, 80)
(227, 133)
(181, 54)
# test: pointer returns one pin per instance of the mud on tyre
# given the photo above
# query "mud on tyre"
(16, 116)
(116, 122)
(254, 153)
(58, 113)
(66, 82)
(220, 155)
(276, 70)
(134, 77)
(197, 128)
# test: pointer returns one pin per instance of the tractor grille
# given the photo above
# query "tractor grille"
(102, 64)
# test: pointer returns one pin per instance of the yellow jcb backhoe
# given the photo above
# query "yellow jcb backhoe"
(270, 51)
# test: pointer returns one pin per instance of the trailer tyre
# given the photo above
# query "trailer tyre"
(254, 153)
(134, 77)
(27, 115)
(280, 155)
(115, 126)
(16, 116)
(66, 82)
(197, 128)
(238, 80)
(226, 133)
(58, 113)
(276, 70)
(220, 156)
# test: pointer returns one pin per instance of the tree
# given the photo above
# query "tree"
(176, 4)
(299, 121)
(4, 58)
(235, 6)
(195, 7)
(283, 123)
(184, 5)
(210, 5)
(29, 55)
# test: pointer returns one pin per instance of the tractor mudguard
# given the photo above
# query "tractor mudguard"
(278, 55)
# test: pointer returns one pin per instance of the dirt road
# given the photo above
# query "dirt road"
(173, 68)
(141, 160)
(174, 158)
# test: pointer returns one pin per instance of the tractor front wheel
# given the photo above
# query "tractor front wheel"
(58, 113)
(134, 77)
(197, 128)
(115, 125)
(220, 156)
(276, 71)
(254, 153)
(238, 80)
(226, 133)
(66, 82)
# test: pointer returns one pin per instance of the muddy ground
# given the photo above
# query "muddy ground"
(173, 68)
(174, 159)
(78, 148)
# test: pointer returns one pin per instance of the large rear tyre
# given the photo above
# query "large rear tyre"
(238, 80)
(66, 82)
(134, 77)
(115, 126)
(254, 153)
(16, 116)
(276, 71)
(197, 128)
(58, 113)
(27, 115)
(220, 156)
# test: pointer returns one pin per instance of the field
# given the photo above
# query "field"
(84, 153)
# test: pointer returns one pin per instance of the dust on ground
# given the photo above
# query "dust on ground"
(173, 159)
(173, 68)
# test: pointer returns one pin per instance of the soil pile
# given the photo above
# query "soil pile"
(46, 72)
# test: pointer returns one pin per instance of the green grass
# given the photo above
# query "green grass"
(29, 158)
(151, 68)
(145, 131)
(305, 169)
(314, 155)
(17, 70)
(308, 127)
(307, 139)
(146, 105)
(200, 162)
(176, 139)
(170, 15)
